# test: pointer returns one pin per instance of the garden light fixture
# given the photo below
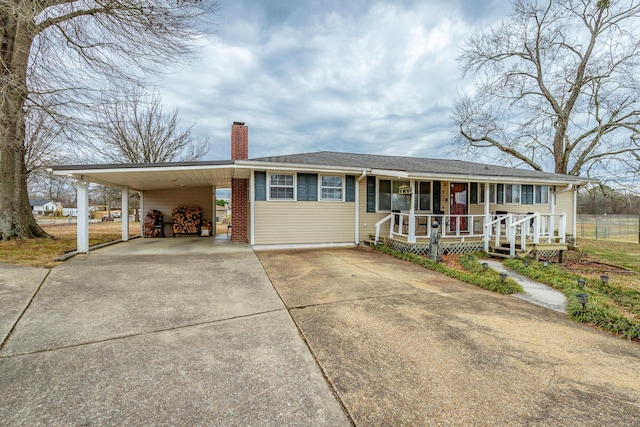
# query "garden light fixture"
(581, 283)
(526, 263)
(605, 279)
(583, 299)
(503, 277)
(485, 265)
(545, 263)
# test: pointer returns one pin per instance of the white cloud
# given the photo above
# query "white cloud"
(370, 77)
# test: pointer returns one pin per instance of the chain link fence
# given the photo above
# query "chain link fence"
(624, 228)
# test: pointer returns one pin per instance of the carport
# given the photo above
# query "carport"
(164, 186)
(161, 181)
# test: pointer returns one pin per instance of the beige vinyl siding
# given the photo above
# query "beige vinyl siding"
(284, 222)
(166, 200)
(564, 204)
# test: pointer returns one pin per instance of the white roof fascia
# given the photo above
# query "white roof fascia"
(136, 169)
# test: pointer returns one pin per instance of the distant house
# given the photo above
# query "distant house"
(39, 207)
(333, 198)
(221, 213)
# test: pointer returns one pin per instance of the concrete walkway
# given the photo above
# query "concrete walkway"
(534, 292)
(151, 332)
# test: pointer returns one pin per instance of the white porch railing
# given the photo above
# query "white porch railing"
(527, 228)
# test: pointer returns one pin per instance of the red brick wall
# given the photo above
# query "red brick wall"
(239, 187)
(239, 210)
(239, 141)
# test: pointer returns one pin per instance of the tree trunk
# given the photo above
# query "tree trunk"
(16, 218)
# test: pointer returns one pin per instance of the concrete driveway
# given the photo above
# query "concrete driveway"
(403, 346)
(132, 336)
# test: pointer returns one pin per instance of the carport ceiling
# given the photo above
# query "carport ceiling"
(156, 177)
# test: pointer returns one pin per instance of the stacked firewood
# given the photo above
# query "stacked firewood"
(152, 223)
(186, 220)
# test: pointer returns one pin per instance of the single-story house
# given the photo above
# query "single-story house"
(334, 198)
(39, 207)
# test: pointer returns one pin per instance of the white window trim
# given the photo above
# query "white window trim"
(295, 186)
(343, 188)
(542, 195)
(504, 195)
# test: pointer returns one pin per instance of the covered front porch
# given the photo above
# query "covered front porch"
(500, 232)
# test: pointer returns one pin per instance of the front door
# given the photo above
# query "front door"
(458, 197)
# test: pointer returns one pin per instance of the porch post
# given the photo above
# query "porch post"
(574, 228)
(486, 231)
(552, 212)
(83, 217)
(412, 214)
(124, 214)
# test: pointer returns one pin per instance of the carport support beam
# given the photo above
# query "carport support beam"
(124, 214)
(83, 217)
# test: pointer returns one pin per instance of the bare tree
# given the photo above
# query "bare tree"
(56, 54)
(556, 88)
(135, 130)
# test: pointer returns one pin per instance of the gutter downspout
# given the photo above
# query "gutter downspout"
(357, 216)
(252, 207)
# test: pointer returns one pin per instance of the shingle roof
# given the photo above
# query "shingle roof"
(411, 165)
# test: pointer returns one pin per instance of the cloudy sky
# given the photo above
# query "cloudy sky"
(360, 76)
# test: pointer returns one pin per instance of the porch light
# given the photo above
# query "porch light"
(485, 265)
(503, 277)
(583, 299)
(581, 283)
(605, 279)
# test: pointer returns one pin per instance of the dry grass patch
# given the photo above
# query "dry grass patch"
(42, 252)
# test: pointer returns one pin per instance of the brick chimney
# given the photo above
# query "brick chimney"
(239, 141)
(239, 187)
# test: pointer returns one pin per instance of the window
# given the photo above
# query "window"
(281, 187)
(527, 194)
(384, 195)
(542, 194)
(492, 193)
(512, 193)
(393, 195)
(424, 196)
(331, 187)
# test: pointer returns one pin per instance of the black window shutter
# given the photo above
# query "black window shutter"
(350, 185)
(500, 195)
(260, 185)
(307, 187)
(371, 194)
(473, 193)
(436, 197)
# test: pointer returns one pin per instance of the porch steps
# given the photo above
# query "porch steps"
(504, 251)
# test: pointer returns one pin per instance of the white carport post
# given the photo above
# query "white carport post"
(124, 214)
(83, 217)
(214, 189)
